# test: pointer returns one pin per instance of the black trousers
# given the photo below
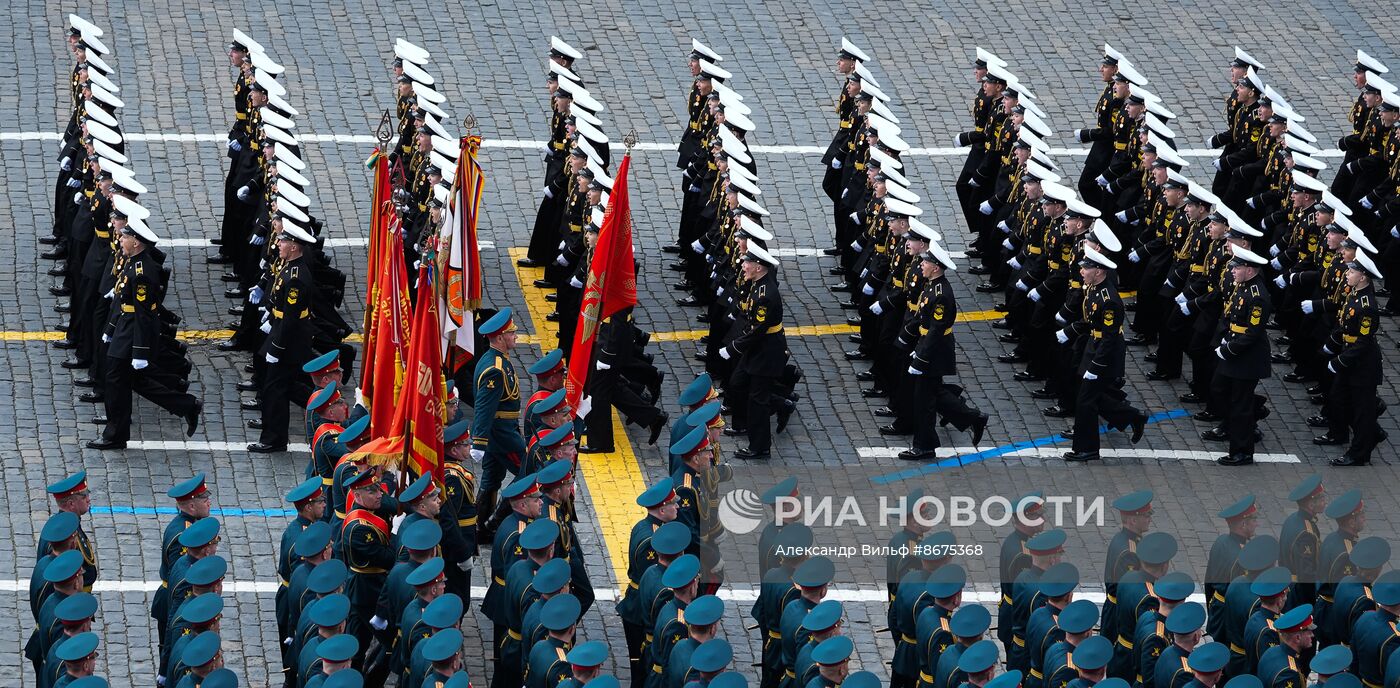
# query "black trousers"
(937, 401)
(967, 192)
(1100, 398)
(1354, 407)
(1171, 344)
(1236, 397)
(156, 386)
(276, 388)
(751, 397)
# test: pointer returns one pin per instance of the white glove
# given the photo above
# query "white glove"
(1090, 376)
(1079, 135)
(478, 454)
(1006, 244)
(1121, 216)
(1327, 350)
(562, 244)
(561, 261)
(957, 141)
(1331, 367)
(139, 363)
(466, 564)
(974, 183)
(1180, 298)
(160, 680)
(599, 365)
(719, 292)
(1002, 226)
(1021, 284)
(110, 293)
(234, 145)
(244, 192)
(1395, 231)
(1035, 294)
(1101, 181)
(1061, 337)
(1366, 202)
(854, 217)
(271, 359)
(257, 240)
(548, 192)
(266, 327)
(255, 295)
(1015, 263)
(855, 246)
(915, 371)
(1275, 264)
(378, 623)
(573, 282)
(697, 247)
(1060, 319)
(724, 353)
(694, 188)
(835, 164)
(1185, 308)
(1220, 352)
(1133, 256)
(66, 164)
(106, 339)
(78, 198)
(1216, 163)
(876, 308)
(287, 641)
(1273, 250)
(1280, 282)
(864, 273)
(1249, 201)
(867, 290)
(1307, 306)
(75, 183)
(985, 208)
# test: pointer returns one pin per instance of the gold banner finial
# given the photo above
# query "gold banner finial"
(630, 140)
(468, 125)
(385, 130)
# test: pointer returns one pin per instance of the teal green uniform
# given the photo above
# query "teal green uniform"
(1222, 566)
(308, 664)
(1042, 631)
(411, 631)
(1372, 640)
(299, 597)
(948, 674)
(640, 557)
(1300, 543)
(569, 548)
(458, 519)
(170, 552)
(678, 672)
(84, 546)
(548, 665)
(38, 588)
(774, 594)
(179, 588)
(805, 668)
(496, 418)
(669, 630)
(1350, 600)
(287, 560)
(48, 630)
(1025, 598)
(896, 566)
(326, 453)
(395, 598)
(910, 599)
(519, 595)
(1135, 598)
(1240, 603)
(504, 552)
(532, 628)
(365, 548)
(52, 669)
(690, 503)
(1121, 558)
(1149, 641)
(1056, 666)
(652, 597)
(1259, 635)
(1014, 559)
(1333, 564)
(1280, 667)
(793, 635)
(933, 637)
(401, 552)
(1171, 670)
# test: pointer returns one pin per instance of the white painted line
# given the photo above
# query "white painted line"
(819, 252)
(182, 445)
(1056, 452)
(330, 243)
(527, 144)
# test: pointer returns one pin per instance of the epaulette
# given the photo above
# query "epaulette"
(688, 480)
(563, 657)
(1364, 299)
(1253, 290)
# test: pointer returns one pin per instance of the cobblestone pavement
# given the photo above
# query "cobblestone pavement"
(488, 57)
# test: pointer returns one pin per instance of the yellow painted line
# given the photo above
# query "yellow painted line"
(613, 479)
(183, 335)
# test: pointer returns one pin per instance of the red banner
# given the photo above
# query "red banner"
(387, 314)
(612, 283)
(460, 259)
(421, 411)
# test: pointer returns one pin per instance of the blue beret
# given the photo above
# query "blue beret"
(63, 567)
(814, 572)
(1260, 553)
(671, 539)
(338, 648)
(423, 534)
(936, 546)
(833, 650)
(77, 607)
(1093, 653)
(1333, 659)
(327, 576)
(857, 679)
(444, 611)
(826, 614)
(561, 612)
(496, 323)
(442, 645)
(1010, 679)
(681, 571)
(704, 610)
(1175, 586)
(1059, 579)
(1134, 501)
(77, 647)
(1346, 504)
(1156, 548)
(1047, 542)
(456, 431)
(1299, 618)
(426, 572)
(323, 396)
(979, 657)
(1208, 657)
(93, 681)
(203, 608)
(201, 649)
(417, 489)
(552, 576)
(796, 536)
(1109, 682)
(200, 533)
(697, 391)
(786, 488)
(321, 362)
(1078, 616)
(1186, 618)
(912, 501)
(329, 610)
(1370, 552)
(947, 581)
(313, 539)
(350, 678)
(552, 402)
(1386, 589)
(206, 571)
(690, 442)
(702, 416)
(352, 432)
(712, 655)
(1240, 508)
(556, 471)
(1343, 680)
(59, 527)
(540, 534)
(547, 363)
(590, 654)
(186, 488)
(1272, 582)
(223, 677)
(68, 484)
(520, 486)
(306, 490)
(656, 495)
(1311, 485)
(971, 620)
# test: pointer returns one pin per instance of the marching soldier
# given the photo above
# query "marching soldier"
(458, 516)
(1045, 550)
(660, 502)
(496, 440)
(1150, 635)
(287, 348)
(1352, 596)
(1222, 565)
(548, 663)
(1135, 597)
(1300, 540)
(1260, 633)
(1284, 666)
(1258, 555)
(523, 498)
(1357, 365)
(1244, 357)
(762, 354)
(1333, 558)
(364, 545)
(1076, 624)
(1042, 628)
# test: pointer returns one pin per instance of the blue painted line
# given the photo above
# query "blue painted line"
(171, 511)
(965, 459)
